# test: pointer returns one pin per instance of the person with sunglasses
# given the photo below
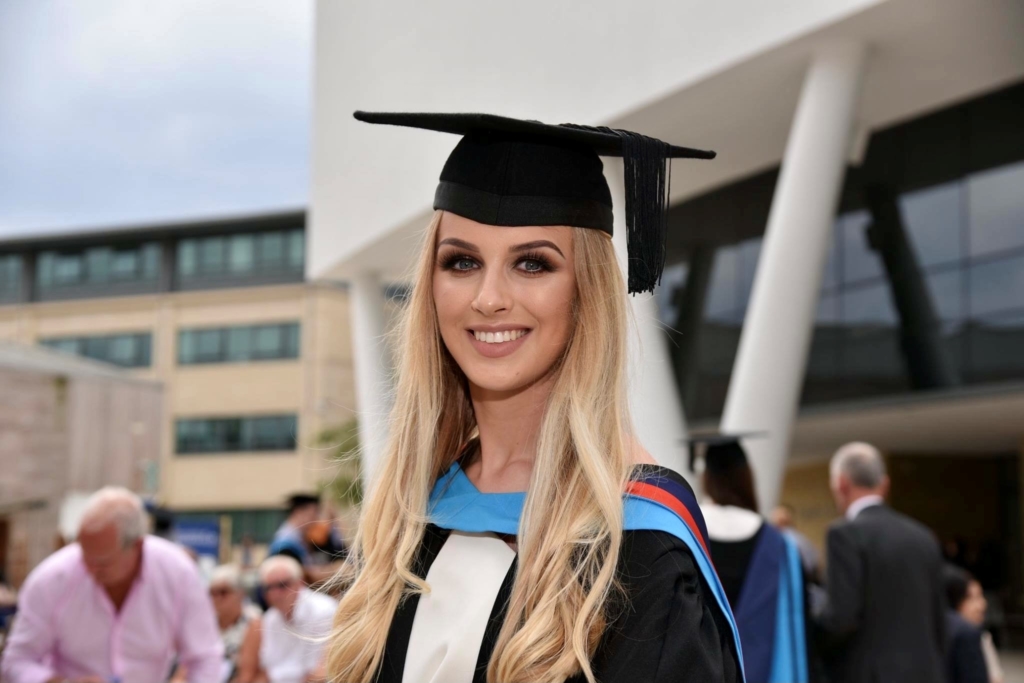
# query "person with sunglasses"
(287, 645)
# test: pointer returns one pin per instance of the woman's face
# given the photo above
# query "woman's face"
(974, 605)
(516, 285)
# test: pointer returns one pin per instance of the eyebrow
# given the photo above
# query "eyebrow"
(526, 246)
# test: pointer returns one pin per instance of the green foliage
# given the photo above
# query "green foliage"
(345, 486)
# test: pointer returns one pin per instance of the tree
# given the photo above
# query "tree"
(345, 486)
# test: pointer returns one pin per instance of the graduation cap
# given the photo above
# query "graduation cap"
(512, 172)
(722, 452)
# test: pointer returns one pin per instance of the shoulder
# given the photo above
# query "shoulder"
(56, 570)
(170, 557)
(654, 557)
(318, 604)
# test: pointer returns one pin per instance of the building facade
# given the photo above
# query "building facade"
(255, 360)
(850, 266)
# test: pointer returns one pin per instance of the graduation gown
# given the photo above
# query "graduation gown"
(675, 624)
(762, 576)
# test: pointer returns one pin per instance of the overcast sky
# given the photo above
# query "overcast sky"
(121, 111)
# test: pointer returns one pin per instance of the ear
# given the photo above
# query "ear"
(883, 488)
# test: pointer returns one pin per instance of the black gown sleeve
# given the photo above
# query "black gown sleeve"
(668, 628)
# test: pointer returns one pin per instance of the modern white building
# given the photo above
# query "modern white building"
(850, 266)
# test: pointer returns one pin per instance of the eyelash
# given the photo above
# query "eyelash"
(448, 262)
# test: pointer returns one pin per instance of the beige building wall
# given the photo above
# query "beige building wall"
(317, 387)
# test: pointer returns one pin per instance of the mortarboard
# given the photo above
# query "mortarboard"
(721, 452)
(512, 172)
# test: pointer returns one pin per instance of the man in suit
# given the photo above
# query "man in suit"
(884, 617)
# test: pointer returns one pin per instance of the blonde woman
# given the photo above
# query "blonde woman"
(516, 530)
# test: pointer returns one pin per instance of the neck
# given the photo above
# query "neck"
(118, 592)
(860, 494)
(509, 427)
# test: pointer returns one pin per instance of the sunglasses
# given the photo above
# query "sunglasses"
(280, 585)
(220, 592)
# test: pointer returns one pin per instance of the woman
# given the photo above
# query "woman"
(966, 658)
(497, 543)
(759, 567)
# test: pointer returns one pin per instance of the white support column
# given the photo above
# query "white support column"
(368, 349)
(654, 397)
(768, 375)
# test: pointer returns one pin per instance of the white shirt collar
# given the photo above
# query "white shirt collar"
(728, 523)
(858, 505)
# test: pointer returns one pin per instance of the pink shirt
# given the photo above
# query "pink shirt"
(67, 625)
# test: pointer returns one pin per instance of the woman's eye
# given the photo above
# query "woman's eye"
(532, 266)
(463, 264)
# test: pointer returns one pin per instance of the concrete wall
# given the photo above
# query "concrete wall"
(60, 434)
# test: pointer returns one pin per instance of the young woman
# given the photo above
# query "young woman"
(517, 531)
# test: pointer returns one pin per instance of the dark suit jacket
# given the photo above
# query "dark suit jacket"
(885, 617)
(965, 660)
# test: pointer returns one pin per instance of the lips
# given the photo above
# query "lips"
(497, 343)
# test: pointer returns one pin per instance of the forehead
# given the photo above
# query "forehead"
(99, 536)
(501, 237)
(278, 574)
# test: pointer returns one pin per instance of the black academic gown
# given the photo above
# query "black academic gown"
(668, 631)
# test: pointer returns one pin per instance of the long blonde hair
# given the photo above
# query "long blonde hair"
(571, 528)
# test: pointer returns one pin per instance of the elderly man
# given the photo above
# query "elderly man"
(292, 634)
(885, 611)
(115, 606)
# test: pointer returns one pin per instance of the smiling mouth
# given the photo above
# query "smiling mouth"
(498, 337)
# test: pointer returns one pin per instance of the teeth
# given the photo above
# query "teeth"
(498, 337)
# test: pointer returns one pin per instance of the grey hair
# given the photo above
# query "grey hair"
(228, 574)
(281, 562)
(114, 505)
(862, 464)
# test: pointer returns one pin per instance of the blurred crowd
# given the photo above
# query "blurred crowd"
(121, 605)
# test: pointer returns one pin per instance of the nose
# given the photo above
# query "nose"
(493, 296)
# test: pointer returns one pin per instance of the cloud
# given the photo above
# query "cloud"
(116, 111)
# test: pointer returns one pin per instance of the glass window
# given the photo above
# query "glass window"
(946, 290)
(188, 257)
(98, 262)
(236, 434)
(242, 254)
(292, 341)
(239, 344)
(994, 348)
(722, 296)
(268, 342)
(151, 261)
(996, 209)
(125, 350)
(747, 255)
(272, 256)
(67, 269)
(870, 306)
(211, 255)
(296, 249)
(860, 261)
(10, 276)
(932, 221)
(996, 286)
(208, 346)
(125, 264)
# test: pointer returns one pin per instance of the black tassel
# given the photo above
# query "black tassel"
(647, 173)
